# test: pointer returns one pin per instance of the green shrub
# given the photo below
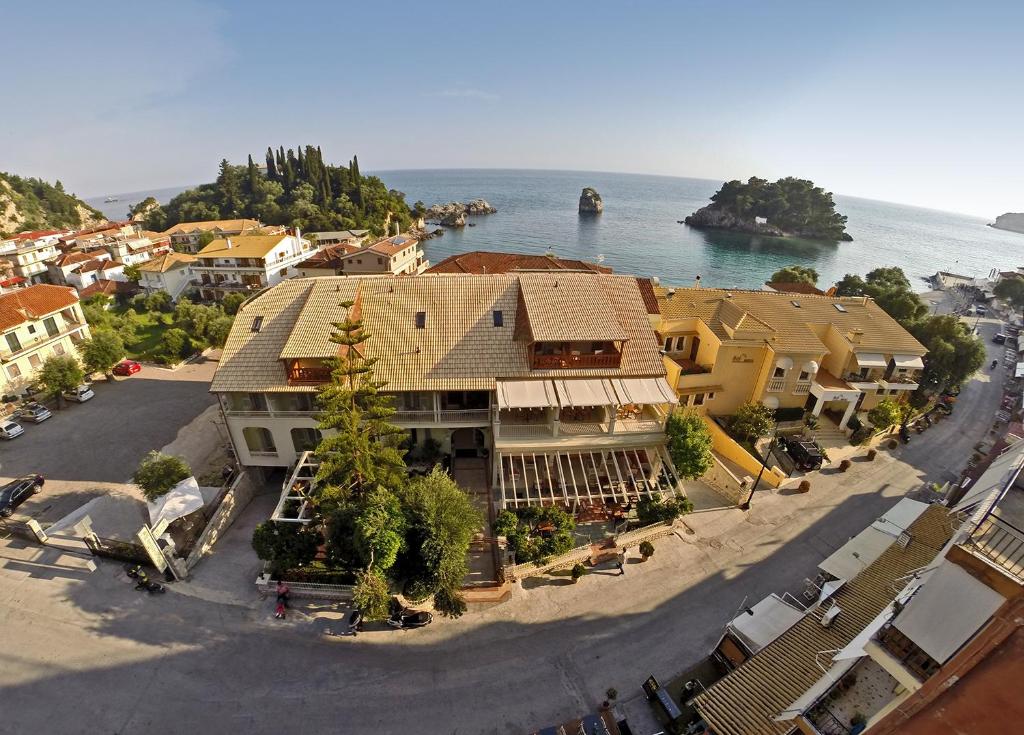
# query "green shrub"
(578, 570)
(646, 550)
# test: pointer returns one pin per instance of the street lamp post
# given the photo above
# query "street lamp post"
(745, 505)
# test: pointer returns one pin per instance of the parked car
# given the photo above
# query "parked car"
(999, 339)
(81, 394)
(10, 429)
(127, 367)
(33, 412)
(805, 453)
(16, 492)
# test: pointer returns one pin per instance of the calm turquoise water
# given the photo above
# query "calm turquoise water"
(638, 232)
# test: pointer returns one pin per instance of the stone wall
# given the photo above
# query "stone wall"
(235, 500)
(722, 479)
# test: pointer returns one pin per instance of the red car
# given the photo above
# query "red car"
(127, 367)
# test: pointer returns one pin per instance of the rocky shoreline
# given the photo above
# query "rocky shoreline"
(713, 217)
(1010, 222)
(453, 214)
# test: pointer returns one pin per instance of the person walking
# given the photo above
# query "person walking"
(282, 593)
(621, 563)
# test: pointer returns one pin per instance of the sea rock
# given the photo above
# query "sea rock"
(439, 212)
(590, 202)
(1011, 221)
(713, 217)
(454, 219)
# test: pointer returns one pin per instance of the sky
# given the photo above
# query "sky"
(911, 102)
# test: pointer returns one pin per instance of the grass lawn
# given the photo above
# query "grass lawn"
(152, 326)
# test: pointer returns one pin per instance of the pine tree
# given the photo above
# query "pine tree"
(254, 178)
(271, 168)
(363, 452)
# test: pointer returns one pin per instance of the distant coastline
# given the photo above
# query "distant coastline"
(1010, 222)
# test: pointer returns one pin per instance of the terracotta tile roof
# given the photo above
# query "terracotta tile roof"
(35, 234)
(76, 256)
(483, 261)
(790, 287)
(392, 245)
(224, 225)
(330, 257)
(738, 315)
(97, 264)
(566, 306)
(242, 246)
(166, 262)
(109, 288)
(745, 701)
(34, 302)
(646, 286)
(459, 347)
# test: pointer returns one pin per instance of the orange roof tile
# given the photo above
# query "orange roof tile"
(34, 302)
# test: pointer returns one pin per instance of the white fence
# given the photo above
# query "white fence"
(268, 586)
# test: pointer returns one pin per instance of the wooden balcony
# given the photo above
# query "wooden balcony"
(573, 362)
(309, 375)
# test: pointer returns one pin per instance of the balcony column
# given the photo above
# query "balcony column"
(496, 422)
(819, 404)
(614, 415)
(437, 406)
(556, 423)
(851, 406)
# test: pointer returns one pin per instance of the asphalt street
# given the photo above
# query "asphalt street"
(85, 653)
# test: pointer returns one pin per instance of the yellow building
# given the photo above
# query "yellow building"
(36, 323)
(826, 354)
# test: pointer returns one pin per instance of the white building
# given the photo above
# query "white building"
(185, 236)
(30, 252)
(170, 272)
(248, 263)
(36, 323)
(398, 255)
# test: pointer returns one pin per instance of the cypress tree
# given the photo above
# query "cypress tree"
(254, 176)
(271, 168)
(301, 166)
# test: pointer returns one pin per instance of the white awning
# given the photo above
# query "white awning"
(584, 393)
(765, 622)
(525, 394)
(810, 367)
(816, 691)
(908, 361)
(871, 359)
(183, 498)
(645, 391)
(927, 621)
(1018, 371)
(855, 555)
(770, 402)
(784, 362)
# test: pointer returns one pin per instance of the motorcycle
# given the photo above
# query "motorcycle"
(143, 582)
(905, 434)
(403, 618)
(993, 365)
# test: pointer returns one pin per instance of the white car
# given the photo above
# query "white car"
(81, 394)
(10, 429)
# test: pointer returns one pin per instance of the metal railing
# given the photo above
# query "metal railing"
(802, 388)
(775, 385)
(442, 416)
(309, 375)
(1001, 543)
(556, 362)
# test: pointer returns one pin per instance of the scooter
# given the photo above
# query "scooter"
(905, 434)
(993, 365)
(355, 622)
(403, 618)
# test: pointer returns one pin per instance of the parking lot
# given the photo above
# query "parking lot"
(92, 448)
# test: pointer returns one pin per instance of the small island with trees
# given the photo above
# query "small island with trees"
(788, 207)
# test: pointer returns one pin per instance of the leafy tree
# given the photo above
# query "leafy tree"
(218, 331)
(850, 285)
(285, 545)
(793, 205)
(372, 595)
(157, 301)
(132, 273)
(887, 413)
(158, 473)
(441, 521)
(954, 354)
(1011, 290)
(60, 374)
(795, 274)
(103, 351)
(175, 346)
(45, 206)
(653, 510)
(94, 309)
(232, 302)
(536, 533)
(380, 528)
(363, 450)
(689, 443)
(752, 421)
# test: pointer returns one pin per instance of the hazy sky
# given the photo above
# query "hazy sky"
(916, 102)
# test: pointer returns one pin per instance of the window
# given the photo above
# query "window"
(13, 342)
(283, 273)
(840, 307)
(711, 396)
(804, 376)
(796, 304)
(58, 349)
(780, 372)
(499, 318)
(259, 440)
(698, 399)
(14, 371)
(34, 361)
(51, 325)
(305, 439)
(380, 261)
(31, 328)
(421, 319)
(864, 372)
(257, 324)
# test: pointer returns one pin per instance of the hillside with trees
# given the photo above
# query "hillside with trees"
(296, 189)
(34, 204)
(784, 208)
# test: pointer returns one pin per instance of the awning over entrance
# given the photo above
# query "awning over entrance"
(584, 393)
(643, 390)
(908, 361)
(526, 394)
(871, 359)
(1018, 371)
(582, 478)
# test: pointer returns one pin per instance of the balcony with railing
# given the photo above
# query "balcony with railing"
(776, 385)
(24, 346)
(901, 381)
(308, 373)
(999, 542)
(574, 355)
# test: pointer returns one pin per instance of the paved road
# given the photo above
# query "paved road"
(92, 655)
(91, 447)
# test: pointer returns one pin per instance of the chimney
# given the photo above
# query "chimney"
(671, 292)
(228, 241)
(696, 282)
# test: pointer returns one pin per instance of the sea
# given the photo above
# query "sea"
(640, 232)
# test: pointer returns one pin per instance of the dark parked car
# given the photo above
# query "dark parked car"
(805, 453)
(17, 492)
